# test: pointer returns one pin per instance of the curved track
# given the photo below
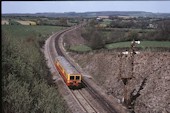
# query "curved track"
(104, 103)
(83, 101)
(87, 106)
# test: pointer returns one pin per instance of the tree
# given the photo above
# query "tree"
(92, 23)
(92, 35)
(96, 41)
(133, 35)
(24, 89)
(63, 21)
(164, 29)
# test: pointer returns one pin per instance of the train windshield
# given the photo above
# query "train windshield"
(77, 77)
(71, 77)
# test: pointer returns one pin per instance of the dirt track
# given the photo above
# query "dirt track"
(149, 83)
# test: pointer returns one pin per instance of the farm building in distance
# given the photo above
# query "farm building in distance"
(102, 17)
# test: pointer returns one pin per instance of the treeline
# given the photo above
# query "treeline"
(49, 21)
(53, 22)
(24, 88)
(140, 22)
(98, 37)
(129, 24)
(93, 36)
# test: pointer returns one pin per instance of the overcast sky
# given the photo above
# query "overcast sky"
(84, 6)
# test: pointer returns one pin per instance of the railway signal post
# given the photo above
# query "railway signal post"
(125, 80)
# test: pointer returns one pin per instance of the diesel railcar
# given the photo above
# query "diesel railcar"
(71, 76)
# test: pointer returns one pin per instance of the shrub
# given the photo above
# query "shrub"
(24, 89)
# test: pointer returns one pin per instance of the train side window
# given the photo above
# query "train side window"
(71, 77)
(77, 77)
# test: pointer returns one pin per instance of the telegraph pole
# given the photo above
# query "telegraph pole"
(125, 80)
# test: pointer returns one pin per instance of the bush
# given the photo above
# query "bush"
(94, 38)
(164, 30)
(24, 89)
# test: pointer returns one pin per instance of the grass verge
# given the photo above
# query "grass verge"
(143, 44)
(80, 48)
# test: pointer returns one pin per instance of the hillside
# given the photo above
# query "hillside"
(144, 78)
(94, 14)
(148, 83)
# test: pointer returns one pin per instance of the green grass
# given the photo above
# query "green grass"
(106, 21)
(80, 48)
(19, 31)
(143, 44)
(154, 44)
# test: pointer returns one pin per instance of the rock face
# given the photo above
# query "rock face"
(143, 80)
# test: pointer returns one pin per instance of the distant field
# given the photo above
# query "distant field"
(143, 44)
(17, 22)
(3, 22)
(80, 48)
(30, 31)
(105, 22)
(26, 22)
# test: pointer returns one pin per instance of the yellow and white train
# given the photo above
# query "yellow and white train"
(71, 76)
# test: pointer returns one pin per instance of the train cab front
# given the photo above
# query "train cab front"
(74, 82)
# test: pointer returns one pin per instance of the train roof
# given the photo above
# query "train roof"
(66, 65)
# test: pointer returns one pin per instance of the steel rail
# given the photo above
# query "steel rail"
(84, 102)
(104, 103)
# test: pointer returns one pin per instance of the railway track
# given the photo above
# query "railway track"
(87, 106)
(77, 95)
(106, 105)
